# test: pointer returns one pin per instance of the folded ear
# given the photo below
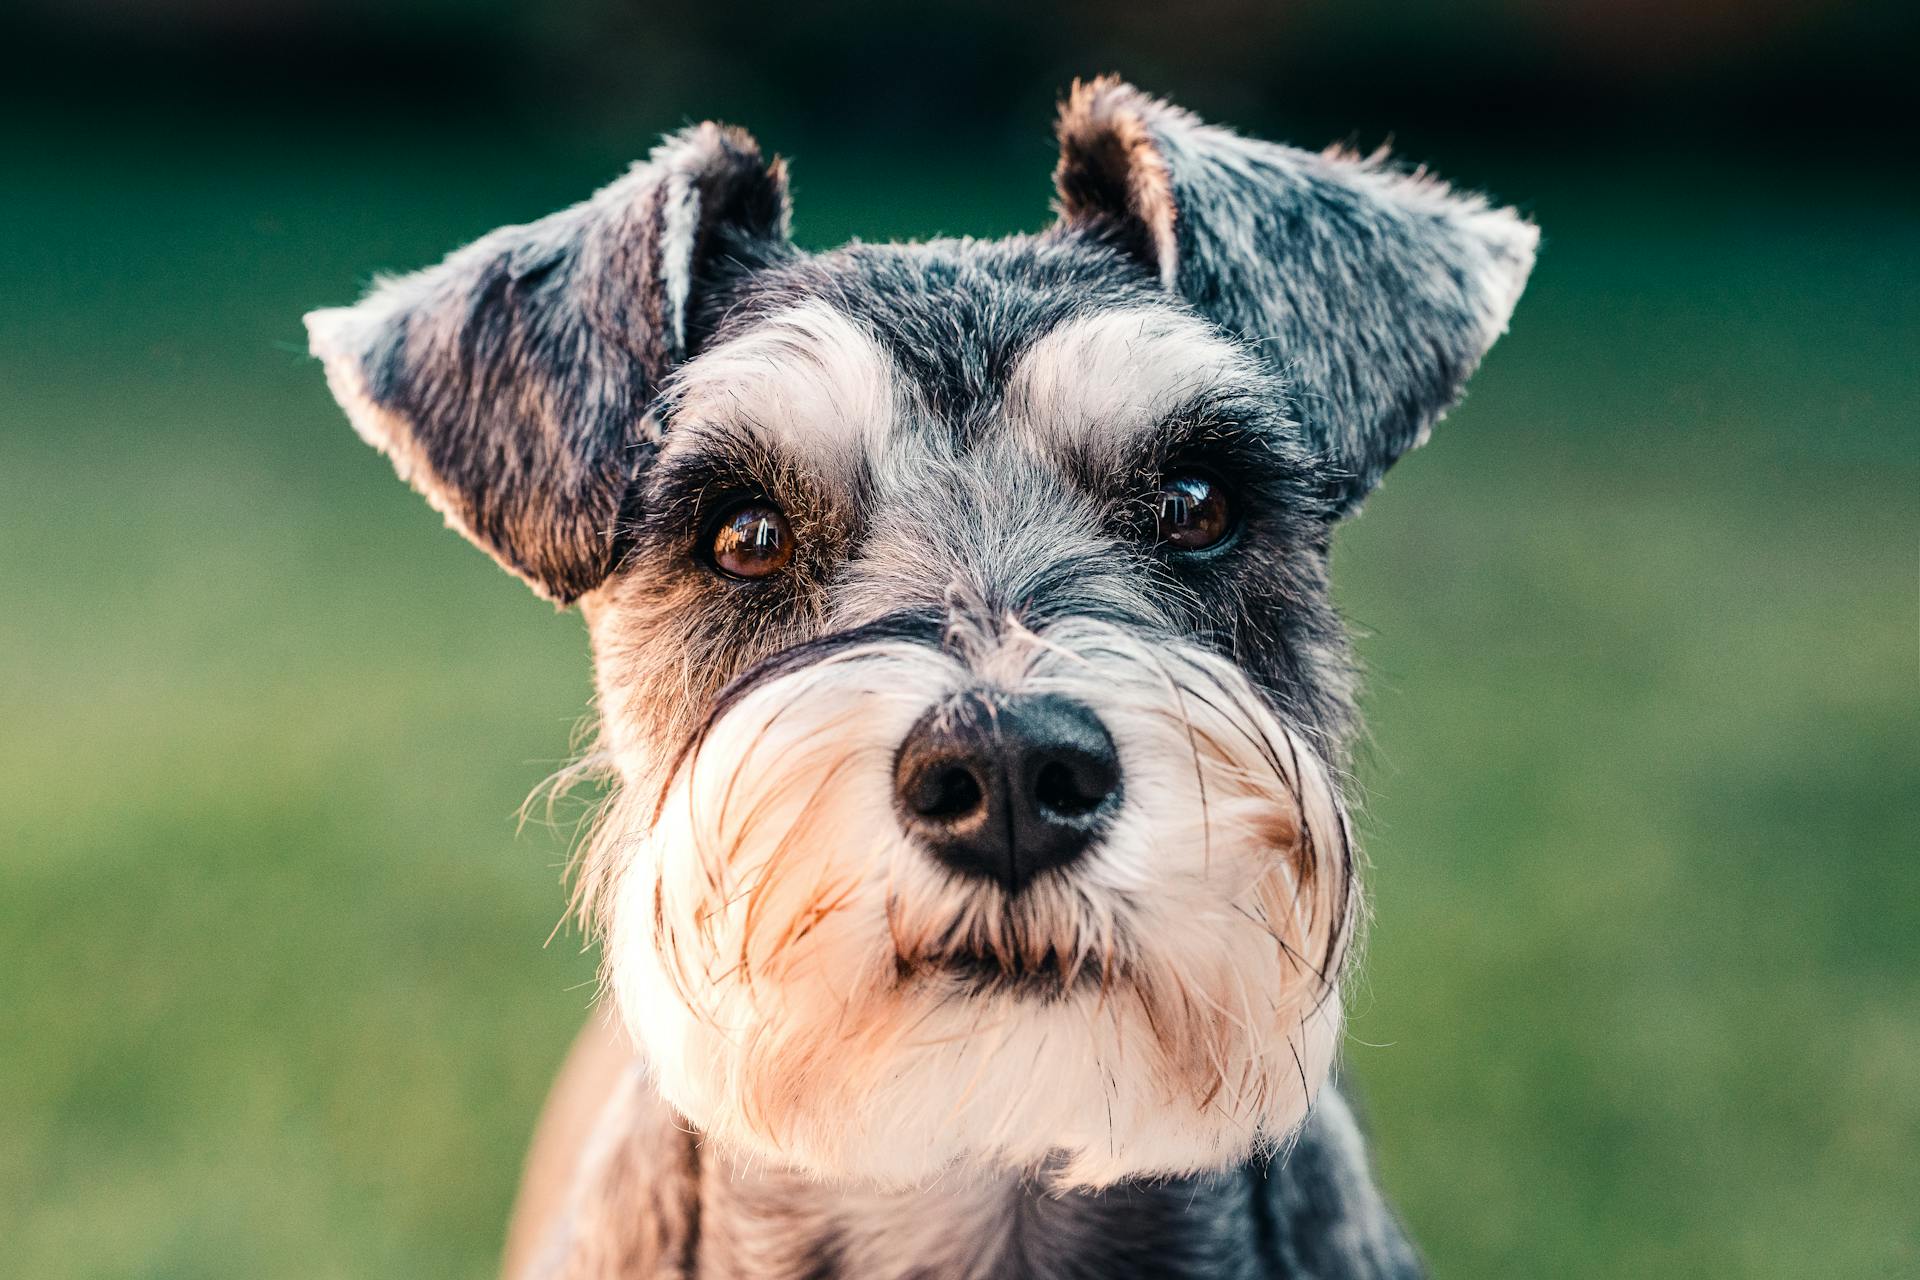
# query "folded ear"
(1373, 292)
(510, 384)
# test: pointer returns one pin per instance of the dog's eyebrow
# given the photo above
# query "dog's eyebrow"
(1102, 387)
(807, 380)
(800, 399)
(1116, 398)
(1211, 418)
(735, 453)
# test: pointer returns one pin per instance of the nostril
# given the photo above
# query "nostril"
(1066, 792)
(946, 793)
(1009, 788)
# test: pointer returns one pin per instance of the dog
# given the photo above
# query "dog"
(975, 886)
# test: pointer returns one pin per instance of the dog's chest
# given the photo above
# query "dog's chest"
(656, 1201)
(978, 1230)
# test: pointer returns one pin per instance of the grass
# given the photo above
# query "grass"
(1643, 993)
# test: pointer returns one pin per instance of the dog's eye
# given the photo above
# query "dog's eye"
(1193, 511)
(752, 540)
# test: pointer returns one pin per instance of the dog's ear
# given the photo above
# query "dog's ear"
(511, 383)
(1373, 292)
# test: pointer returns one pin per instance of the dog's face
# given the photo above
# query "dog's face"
(988, 685)
(961, 620)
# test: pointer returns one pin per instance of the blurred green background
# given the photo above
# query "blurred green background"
(1643, 991)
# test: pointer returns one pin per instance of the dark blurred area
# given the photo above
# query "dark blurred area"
(1835, 79)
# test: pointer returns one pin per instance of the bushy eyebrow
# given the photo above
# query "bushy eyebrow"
(789, 407)
(1106, 389)
(737, 455)
(684, 479)
(1212, 418)
(1224, 429)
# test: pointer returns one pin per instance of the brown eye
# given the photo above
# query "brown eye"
(1193, 511)
(753, 540)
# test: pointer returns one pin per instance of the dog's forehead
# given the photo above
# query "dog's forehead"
(881, 348)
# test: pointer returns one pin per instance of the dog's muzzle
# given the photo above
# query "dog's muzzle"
(1007, 788)
(897, 881)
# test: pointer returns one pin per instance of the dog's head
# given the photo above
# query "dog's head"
(961, 618)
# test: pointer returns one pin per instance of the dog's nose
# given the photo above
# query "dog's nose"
(1007, 788)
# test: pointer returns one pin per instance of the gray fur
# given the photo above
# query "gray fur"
(660, 1205)
(1373, 292)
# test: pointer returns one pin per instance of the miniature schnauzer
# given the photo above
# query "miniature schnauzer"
(975, 885)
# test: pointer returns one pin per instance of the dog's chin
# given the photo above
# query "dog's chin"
(978, 972)
(962, 1063)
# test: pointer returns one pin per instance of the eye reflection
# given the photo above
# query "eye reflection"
(753, 540)
(1193, 512)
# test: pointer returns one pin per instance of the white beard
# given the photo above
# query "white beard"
(774, 936)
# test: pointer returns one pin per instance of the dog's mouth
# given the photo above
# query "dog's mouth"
(978, 971)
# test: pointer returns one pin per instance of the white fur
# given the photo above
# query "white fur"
(1101, 380)
(808, 377)
(680, 227)
(758, 926)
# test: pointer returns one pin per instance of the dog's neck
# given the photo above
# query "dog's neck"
(657, 1202)
(982, 1227)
